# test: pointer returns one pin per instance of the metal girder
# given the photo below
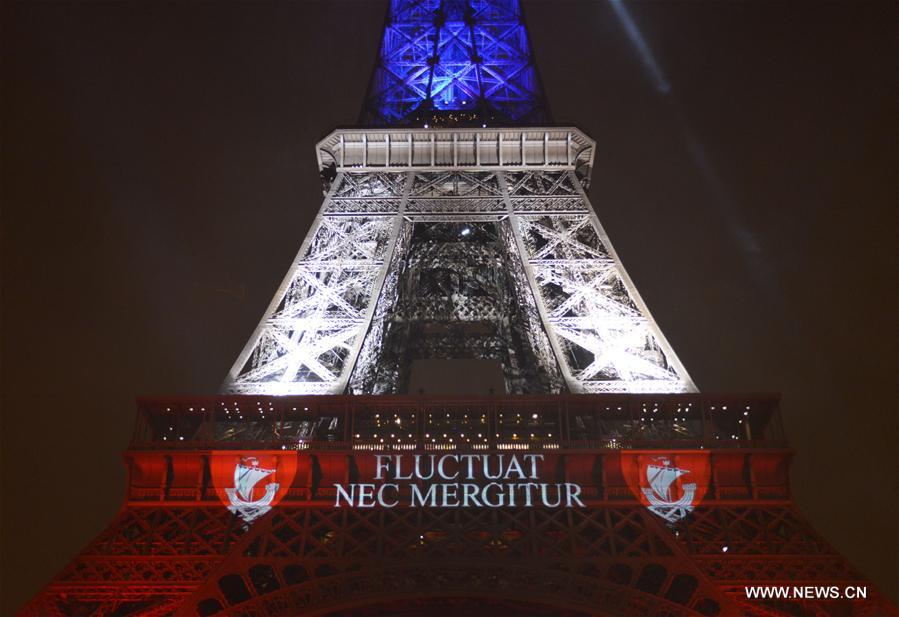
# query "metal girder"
(614, 560)
(615, 552)
(462, 149)
(177, 549)
(309, 337)
(458, 59)
(603, 333)
(518, 251)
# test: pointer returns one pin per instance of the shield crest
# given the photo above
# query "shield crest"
(251, 483)
(669, 484)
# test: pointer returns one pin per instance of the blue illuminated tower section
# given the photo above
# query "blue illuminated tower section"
(457, 62)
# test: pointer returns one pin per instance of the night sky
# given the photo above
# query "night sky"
(159, 177)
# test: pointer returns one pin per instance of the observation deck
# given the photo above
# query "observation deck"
(398, 149)
(582, 439)
(429, 423)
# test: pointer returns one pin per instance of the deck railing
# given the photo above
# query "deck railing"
(430, 423)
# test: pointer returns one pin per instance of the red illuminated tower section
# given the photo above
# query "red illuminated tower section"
(181, 546)
(456, 225)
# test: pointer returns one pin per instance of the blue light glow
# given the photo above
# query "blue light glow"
(454, 55)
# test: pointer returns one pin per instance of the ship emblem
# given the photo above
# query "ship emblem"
(247, 474)
(662, 490)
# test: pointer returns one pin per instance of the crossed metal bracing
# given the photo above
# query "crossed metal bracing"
(459, 293)
(161, 560)
(470, 57)
(738, 546)
(307, 338)
(615, 561)
(147, 562)
(521, 250)
(751, 531)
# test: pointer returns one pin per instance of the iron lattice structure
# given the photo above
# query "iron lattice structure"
(456, 62)
(176, 550)
(447, 236)
(457, 243)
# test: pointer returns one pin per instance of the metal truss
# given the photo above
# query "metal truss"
(460, 293)
(616, 560)
(147, 562)
(602, 332)
(309, 338)
(745, 545)
(610, 562)
(508, 264)
(454, 56)
(177, 549)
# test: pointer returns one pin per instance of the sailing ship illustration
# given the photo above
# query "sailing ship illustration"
(247, 474)
(661, 476)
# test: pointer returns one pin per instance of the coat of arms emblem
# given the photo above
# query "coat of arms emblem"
(670, 485)
(251, 483)
(247, 474)
(666, 498)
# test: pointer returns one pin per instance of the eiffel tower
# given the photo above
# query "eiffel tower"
(456, 225)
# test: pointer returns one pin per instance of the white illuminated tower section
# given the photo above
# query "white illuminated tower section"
(455, 224)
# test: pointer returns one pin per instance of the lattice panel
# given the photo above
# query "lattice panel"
(97, 571)
(560, 535)
(548, 204)
(144, 563)
(167, 531)
(751, 531)
(455, 184)
(363, 206)
(145, 603)
(483, 582)
(454, 56)
(737, 570)
(606, 340)
(541, 184)
(306, 341)
(153, 561)
(455, 206)
(370, 185)
(346, 239)
(456, 289)
(573, 312)
(293, 554)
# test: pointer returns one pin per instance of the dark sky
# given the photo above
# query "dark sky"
(159, 176)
